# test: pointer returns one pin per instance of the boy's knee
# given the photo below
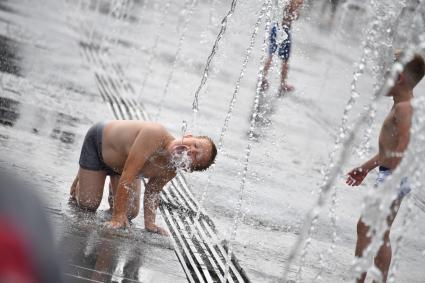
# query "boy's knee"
(88, 205)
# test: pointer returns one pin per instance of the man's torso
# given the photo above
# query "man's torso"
(389, 137)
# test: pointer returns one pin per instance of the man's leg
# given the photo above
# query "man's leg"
(89, 188)
(134, 207)
(362, 242)
(383, 257)
(284, 86)
(264, 82)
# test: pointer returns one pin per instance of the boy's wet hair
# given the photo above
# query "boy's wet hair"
(213, 154)
(414, 70)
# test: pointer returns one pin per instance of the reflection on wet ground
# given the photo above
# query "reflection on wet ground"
(102, 255)
(8, 111)
(8, 56)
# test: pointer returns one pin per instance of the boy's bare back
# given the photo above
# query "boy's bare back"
(119, 138)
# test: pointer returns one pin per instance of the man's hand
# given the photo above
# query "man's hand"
(118, 223)
(356, 176)
(156, 229)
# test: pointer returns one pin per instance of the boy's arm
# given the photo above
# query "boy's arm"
(403, 121)
(145, 144)
(357, 175)
(371, 163)
(151, 202)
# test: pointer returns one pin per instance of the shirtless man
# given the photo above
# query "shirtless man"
(127, 150)
(393, 141)
(280, 41)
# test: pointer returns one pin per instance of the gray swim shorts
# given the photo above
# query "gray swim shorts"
(91, 151)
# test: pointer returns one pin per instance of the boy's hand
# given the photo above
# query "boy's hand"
(117, 223)
(156, 229)
(356, 176)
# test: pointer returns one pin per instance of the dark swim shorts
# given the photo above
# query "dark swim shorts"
(91, 151)
(283, 47)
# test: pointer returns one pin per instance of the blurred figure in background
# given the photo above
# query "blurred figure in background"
(393, 141)
(280, 41)
(26, 249)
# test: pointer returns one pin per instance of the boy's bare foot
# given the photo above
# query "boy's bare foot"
(120, 222)
(285, 88)
(158, 230)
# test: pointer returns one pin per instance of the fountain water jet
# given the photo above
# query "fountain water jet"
(232, 103)
(224, 22)
(248, 149)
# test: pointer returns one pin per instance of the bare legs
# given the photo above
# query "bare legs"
(265, 83)
(284, 86)
(87, 191)
(383, 257)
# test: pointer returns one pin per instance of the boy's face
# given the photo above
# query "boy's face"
(197, 150)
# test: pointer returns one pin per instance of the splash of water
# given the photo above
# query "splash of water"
(181, 161)
(184, 128)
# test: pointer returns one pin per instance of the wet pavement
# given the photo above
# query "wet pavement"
(50, 98)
